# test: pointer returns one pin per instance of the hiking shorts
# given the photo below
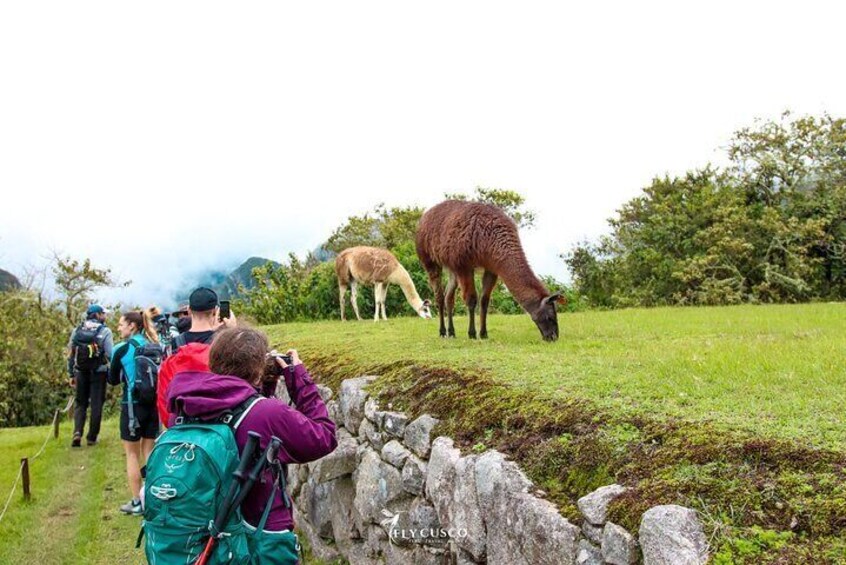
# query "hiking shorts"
(148, 422)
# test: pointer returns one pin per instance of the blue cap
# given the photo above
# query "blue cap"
(95, 309)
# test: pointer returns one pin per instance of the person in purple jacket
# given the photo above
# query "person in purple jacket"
(237, 360)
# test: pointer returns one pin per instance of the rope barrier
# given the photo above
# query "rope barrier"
(40, 451)
(12, 492)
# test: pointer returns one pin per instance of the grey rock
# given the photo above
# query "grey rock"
(593, 533)
(618, 546)
(440, 476)
(461, 556)
(588, 554)
(672, 535)
(351, 400)
(371, 411)
(334, 409)
(496, 477)
(340, 462)
(341, 434)
(325, 392)
(465, 513)
(375, 542)
(319, 548)
(427, 556)
(398, 555)
(344, 531)
(318, 507)
(394, 423)
(594, 506)
(395, 453)
(367, 431)
(297, 475)
(414, 475)
(422, 522)
(531, 532)
(378, 487)
(417, 435)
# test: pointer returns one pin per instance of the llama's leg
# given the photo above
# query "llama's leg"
(342, 290)
(354, 298)
(488, 284)
(384, 300)
(450, 302)
(468, 289)
(377, 300)
(434, 272)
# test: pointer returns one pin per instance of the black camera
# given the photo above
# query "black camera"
(271, 367)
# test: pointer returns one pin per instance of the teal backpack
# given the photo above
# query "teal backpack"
(188, 474)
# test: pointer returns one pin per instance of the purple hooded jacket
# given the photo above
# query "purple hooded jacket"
(306, 431)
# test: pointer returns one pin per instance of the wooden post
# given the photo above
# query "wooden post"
(25, 477)
(56, 419)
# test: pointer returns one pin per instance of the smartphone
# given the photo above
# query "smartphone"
(224, 309)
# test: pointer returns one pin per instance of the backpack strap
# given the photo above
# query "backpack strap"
(232, 417)
(177, 342)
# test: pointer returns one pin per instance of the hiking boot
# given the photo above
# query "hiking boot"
(133, 508)
(77, 440)
(91, 442)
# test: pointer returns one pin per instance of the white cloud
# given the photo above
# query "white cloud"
(161, 138)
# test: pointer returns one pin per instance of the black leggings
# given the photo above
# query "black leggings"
(90, 391)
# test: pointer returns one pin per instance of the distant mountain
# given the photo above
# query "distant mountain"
(243, 275)
(226, 284)
(8, 281)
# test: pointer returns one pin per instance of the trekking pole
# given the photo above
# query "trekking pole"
(239, 475)
(269, 455)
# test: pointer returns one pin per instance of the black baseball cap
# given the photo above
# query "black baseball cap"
(203, 299)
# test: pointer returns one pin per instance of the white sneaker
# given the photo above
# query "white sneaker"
(133, 507)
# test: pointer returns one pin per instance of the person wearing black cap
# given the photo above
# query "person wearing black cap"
(204, 309)
(191, 349)
(89, 351)
(183, 318)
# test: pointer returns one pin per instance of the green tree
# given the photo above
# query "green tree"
(510, 201)
(33, 337)
(768, 228)
(76, 282)
(382, 227)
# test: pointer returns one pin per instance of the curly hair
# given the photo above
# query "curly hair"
(240, 352)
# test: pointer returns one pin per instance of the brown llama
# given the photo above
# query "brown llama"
(465, 236)
(379, 267)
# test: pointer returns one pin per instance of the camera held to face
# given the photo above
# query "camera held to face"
(272, 367)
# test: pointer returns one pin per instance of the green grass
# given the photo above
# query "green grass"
(734, 411)
(72, 517)
(774, 370)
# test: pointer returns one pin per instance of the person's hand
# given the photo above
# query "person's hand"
(279, 361)
(295, 357)
(72, 382)
(231, 321)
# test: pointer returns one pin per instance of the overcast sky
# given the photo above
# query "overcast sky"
(163, 138)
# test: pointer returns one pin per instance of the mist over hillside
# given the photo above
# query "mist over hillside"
(225, 282)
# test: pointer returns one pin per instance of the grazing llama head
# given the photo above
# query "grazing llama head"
(546, 318)
(424, 311)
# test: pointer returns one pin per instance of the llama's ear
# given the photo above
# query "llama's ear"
(556, 297)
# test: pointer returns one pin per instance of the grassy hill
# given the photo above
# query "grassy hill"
(773, 370)
(736, 411)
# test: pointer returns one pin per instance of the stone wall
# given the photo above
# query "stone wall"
(391, 493)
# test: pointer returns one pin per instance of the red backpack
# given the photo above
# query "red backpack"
(190, 357)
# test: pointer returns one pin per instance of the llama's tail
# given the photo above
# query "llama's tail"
(342, 269)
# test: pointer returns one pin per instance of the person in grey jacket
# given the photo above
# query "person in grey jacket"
(90, 349)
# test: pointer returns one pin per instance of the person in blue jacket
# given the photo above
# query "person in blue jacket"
(139, 423)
